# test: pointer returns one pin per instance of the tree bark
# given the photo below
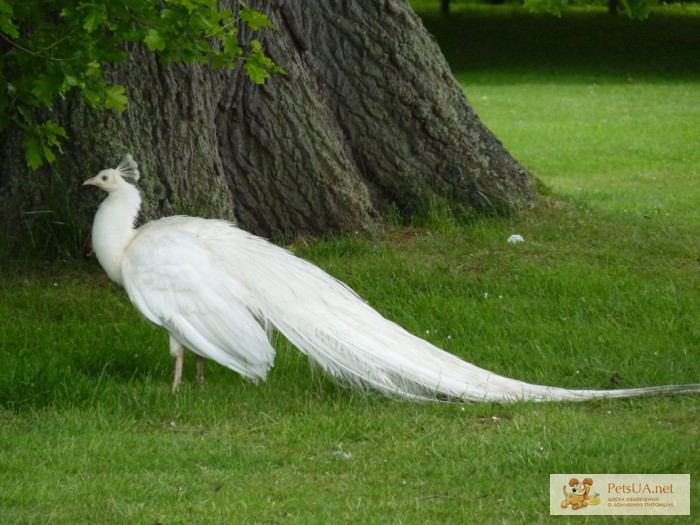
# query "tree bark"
(367, 118)
(445, 7)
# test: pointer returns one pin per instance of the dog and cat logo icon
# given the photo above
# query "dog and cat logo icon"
(578, 494)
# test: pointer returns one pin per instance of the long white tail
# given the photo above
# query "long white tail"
(218, 289)
(351, 341)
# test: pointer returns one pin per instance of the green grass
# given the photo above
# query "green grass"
(603, 292)
(645, 124)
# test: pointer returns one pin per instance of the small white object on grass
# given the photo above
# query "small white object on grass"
(515, 238)
(340, 453)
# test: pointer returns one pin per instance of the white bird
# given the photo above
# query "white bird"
(220, 292)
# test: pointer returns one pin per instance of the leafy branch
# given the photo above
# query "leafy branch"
(50, 49)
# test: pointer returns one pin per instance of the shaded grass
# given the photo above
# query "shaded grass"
(602, 293)
(508, 44)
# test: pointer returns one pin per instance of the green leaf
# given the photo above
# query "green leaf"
(93, 20)
(154, 40)
(69, 81)
(46, 87)
(257, 66)
(32, 151)
(93, 69)
(188, 54)
(40, 141)
(51, 131)
(256, 72)
(231, 47)
(8, 27)
(254, 19)
(114, 98)
(92, 96)
(7, 24)
(256, 46)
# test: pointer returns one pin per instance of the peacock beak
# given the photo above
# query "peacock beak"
(90, 182)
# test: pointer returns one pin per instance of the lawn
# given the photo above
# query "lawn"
(602, 293)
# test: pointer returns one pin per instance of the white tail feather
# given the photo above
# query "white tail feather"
(219, 289)
(351, 341)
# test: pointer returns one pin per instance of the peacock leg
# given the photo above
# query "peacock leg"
(200, 370)
(177, 350)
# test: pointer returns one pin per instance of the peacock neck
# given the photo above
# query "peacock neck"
(113, 228)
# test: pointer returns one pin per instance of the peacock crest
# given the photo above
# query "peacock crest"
(128, 168)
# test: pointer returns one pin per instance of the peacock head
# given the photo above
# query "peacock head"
(112, 179)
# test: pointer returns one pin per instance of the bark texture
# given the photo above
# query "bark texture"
(367, 117)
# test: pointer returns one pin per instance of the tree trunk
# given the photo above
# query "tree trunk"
(367, 118)
(445, 7)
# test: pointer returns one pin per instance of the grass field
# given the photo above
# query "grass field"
(602, 293)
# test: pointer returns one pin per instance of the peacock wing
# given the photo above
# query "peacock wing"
(173, 276)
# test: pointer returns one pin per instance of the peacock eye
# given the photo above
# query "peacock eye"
(104, 178)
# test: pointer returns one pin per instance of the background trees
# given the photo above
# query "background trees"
(638, 9)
